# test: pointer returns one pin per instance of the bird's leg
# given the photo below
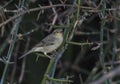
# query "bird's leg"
(47, 55)
(43, 55)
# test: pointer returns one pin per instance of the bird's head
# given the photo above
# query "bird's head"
(58, 32)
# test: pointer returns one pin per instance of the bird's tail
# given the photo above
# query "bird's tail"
(25, 54)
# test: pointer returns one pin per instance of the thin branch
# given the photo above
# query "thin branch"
(107, 76)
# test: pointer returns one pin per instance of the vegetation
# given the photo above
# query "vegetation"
(89, 53)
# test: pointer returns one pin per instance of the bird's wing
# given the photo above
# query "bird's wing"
(49, 40)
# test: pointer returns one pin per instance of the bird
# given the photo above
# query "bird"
(49, 44)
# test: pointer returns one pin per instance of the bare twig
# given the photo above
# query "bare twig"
(30, 10)
(109, 75)
(15, 63)
(23, 63)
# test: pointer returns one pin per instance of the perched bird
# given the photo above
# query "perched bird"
(48, 44)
